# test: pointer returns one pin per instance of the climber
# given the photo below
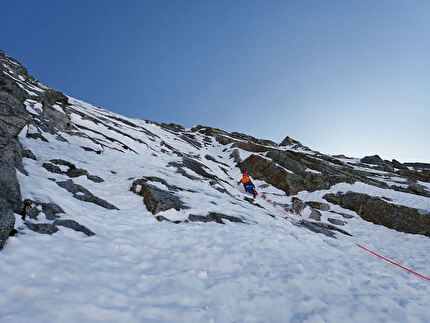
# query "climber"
(248, 185)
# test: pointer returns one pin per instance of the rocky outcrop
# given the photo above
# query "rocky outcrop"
(81, 193)
(193, 165)
(298, 205)
(318, 205)
(374, 160)
(72, 171)
(266, 170)
(323, 228)
(13, 118)
(214, 217)
(290, 182)
(71, 224)
(156, 199)
(229, 137)
(315, 215)
(378, 211)
(415, 175)
(51, 228)
(42, 228)
(290, 142)
(32, 209)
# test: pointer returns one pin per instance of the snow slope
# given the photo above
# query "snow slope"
(137, 269)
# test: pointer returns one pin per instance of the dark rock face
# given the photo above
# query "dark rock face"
(418, 189)
(323, 228)
(251, 146)
(261, 168)
(398, 164)
(214, 217)
(27, 153)
(223, 140)
(71, 224)
(298, 205)
(375, 160)
(191, 139)
(236, 156)
(229, 137)
(414, 175)
(336, 221)
(72, 170)
(291, 183)
(419, 165)
(32, 210)
(290, 142)
(319, 205)
(156, 199)
(13, 118)
(193, 165)
(7, 222)
(43, 228)
(315, 215)
(81, 193)
(378, 211)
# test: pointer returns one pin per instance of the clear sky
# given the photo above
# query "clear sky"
(348, 77)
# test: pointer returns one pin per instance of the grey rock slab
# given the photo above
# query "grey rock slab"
(43, 228)
(7, 222)
(336, 221)
(71, 224)
(156, 199)
(81, 193)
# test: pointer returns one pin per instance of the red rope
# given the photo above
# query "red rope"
(392, 262)
(374, 253)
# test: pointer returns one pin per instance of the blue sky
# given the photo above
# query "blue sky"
(348, 77)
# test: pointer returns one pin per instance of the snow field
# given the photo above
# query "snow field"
(138, 269)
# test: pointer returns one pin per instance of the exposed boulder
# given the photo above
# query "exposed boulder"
(298, 205)
(378, 211)
(43, 228)
(223, 140)
(319, 205)
(397, 164)
(374, 160)
(156, 199)
(289, 142)
(315, 215)
(336, 221)
(214, 217)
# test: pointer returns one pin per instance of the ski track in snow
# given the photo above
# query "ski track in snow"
(138, 269)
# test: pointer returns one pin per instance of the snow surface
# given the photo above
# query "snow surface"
(136, 269)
